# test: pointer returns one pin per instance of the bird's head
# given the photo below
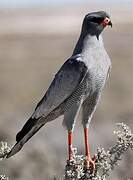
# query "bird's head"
(95, 22)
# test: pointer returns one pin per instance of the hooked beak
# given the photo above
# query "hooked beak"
(106, 22)
(110, 24)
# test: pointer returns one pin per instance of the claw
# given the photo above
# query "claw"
(94, 158)
(90, 163)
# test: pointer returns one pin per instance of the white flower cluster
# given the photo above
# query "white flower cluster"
(105, 160)
(4, 149)
(3, 177)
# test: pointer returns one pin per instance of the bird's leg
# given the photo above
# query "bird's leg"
(89, 162)
(70, 145)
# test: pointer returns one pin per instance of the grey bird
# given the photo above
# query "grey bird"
(78, 84)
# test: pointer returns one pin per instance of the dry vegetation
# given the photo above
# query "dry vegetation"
(33, 45)
(105, 162)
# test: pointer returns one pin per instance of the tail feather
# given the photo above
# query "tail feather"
(25, 134)
(30, 128)
(27, 127)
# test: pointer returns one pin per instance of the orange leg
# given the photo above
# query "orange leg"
(89, 161)
(70, 145)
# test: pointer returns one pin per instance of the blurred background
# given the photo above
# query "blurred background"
(36, 37)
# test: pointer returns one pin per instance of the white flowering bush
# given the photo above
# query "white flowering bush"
(3, 177)
(106, 161)
(4, 149)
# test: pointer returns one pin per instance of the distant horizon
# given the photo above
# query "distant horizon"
(25, 3)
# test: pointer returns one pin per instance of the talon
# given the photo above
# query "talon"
(69, 162)
(90, 164)
(70, 153)
(94, 158)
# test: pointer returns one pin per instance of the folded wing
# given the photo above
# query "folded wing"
(64, 84)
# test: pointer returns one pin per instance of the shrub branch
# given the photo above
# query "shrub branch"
(106, 161)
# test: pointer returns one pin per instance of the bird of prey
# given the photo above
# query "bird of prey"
(78, 84)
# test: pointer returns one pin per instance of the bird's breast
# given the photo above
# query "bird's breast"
(95, 79)
(98, 64)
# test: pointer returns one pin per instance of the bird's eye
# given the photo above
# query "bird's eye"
(97, 20)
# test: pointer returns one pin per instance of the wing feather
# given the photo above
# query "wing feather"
(64, 84)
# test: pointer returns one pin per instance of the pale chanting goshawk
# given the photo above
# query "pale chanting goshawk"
(78, 84)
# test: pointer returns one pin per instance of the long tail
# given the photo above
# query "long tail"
(29, 129)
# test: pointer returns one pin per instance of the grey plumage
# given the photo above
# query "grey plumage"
(77, 84)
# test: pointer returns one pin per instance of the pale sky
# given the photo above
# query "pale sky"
(21, 3)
